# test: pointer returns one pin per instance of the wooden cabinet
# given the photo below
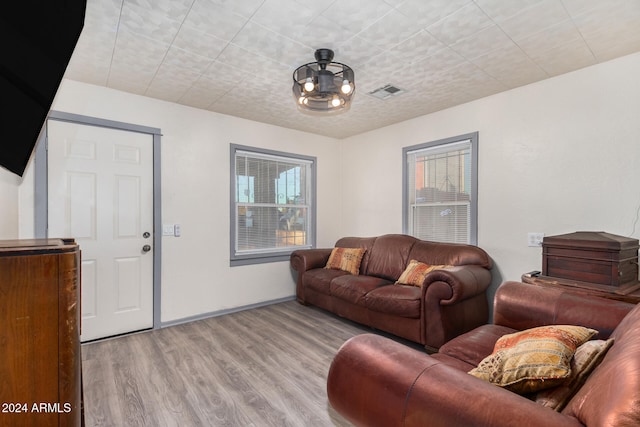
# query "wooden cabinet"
(40, 360)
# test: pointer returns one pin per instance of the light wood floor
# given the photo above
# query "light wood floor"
(261, 367)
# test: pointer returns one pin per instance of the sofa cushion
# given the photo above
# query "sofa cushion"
(353, 288)
(397, 300)
(319, 279)
(345, 259)
(390, 255)
(475, 345)
(533, 359)
(585, 359)
(415, 273)
(458, 364)
(449, 253)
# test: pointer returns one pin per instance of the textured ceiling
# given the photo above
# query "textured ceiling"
(236, 56)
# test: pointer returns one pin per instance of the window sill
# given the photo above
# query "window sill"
(258, 259)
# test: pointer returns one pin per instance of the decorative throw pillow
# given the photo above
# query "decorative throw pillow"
(586, 358)
(346, 259)
(415, 273)
(533, 359)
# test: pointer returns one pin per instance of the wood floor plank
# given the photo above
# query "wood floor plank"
(261, 367)
(103, 387)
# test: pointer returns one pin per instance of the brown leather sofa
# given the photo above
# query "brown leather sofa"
(450, 302)
(374, 381)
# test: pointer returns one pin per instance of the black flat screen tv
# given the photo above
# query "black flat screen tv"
(38, 38)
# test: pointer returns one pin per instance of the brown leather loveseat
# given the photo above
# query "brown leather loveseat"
(374, 381)
(449, 301)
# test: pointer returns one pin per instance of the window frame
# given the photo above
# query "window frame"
(270, 256)
(473, 206)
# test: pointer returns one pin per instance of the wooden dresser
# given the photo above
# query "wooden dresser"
(40, 360)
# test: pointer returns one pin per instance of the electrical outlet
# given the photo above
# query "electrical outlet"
(177, 230)
(535, 239)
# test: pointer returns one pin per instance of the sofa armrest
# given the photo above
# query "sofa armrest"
(374, 381)
(522, 306)
(307, 259)
(302, 260)
(454, 302)
(461, 283)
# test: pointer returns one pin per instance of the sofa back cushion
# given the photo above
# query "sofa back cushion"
(437, 253)
(551, 306)
(390, 255)
(611, 394)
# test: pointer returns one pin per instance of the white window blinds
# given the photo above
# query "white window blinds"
(439, 185)
(272, 203)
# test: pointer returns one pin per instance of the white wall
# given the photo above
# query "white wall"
(9, 184)
(557, 156)
(196, 276)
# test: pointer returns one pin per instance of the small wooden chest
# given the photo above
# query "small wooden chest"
(591, 256)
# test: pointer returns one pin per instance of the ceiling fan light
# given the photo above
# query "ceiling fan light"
(335, 102)
(309, 85)
(346, 87)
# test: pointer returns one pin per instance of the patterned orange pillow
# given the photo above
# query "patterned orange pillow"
(415, 273)
(346, 259)
(534, 359)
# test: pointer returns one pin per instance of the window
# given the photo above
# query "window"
(440, 189)
(272, 204)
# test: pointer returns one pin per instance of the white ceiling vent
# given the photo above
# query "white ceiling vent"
(386, 92)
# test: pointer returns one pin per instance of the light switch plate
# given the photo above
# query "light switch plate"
(535, 239)
(167, 229)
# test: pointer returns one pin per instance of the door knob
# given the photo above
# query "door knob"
(146, 248)
(146, 234)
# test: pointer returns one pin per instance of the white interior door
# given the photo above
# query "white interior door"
(100, 192)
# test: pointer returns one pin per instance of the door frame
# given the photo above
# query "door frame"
(41, 196)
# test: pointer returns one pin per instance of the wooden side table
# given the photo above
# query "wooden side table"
(627, 293)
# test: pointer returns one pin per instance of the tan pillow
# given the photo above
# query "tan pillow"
(346, 259)
(534, 359)
(587, 357)
(415, 273)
